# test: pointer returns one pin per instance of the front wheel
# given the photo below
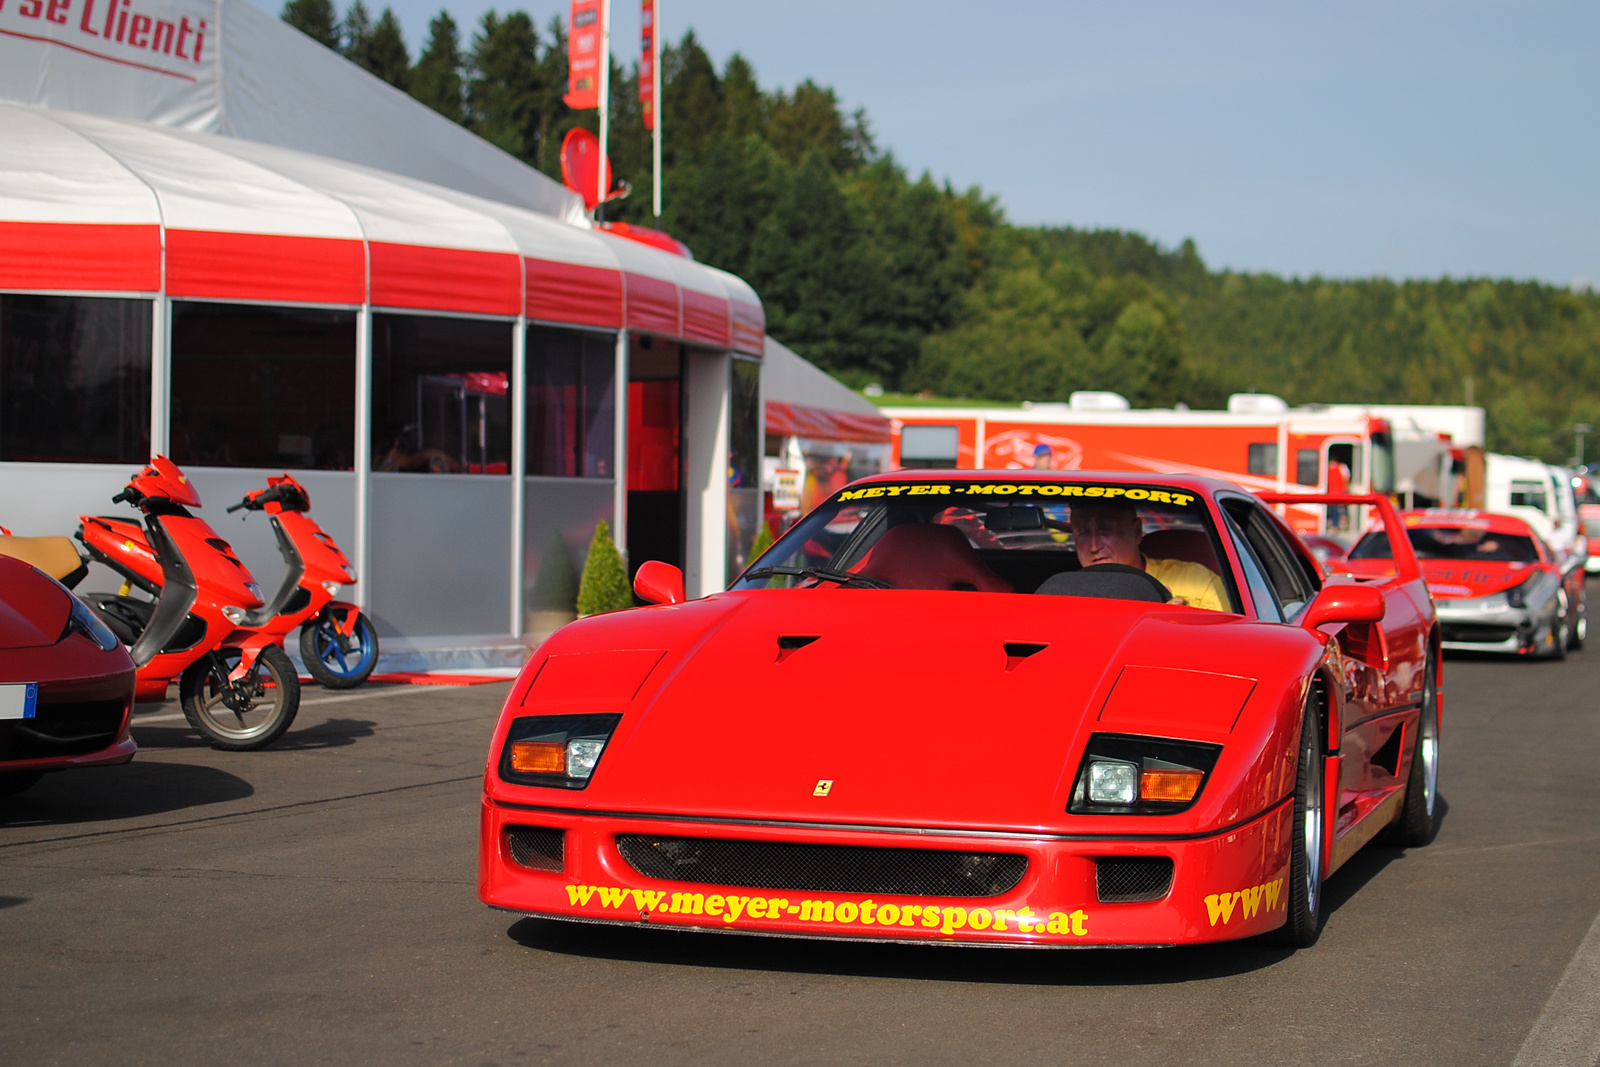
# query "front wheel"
(244, 715)
(336, 660)
(1419, 819)
(1304, 898)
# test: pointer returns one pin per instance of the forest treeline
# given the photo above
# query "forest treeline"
(881, 276)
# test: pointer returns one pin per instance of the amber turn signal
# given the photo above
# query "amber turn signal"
(1171, 786)
(539, 757)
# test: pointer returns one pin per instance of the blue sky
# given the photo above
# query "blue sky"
(1399, 138)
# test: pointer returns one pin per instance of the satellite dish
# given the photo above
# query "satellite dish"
(580, 166)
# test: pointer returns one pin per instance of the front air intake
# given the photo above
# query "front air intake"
(923, 872)
(536, 847)
(1130, 879)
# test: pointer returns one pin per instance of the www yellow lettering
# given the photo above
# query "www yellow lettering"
(930, 917)
(1252, 901)
(1159, 497)
(1000, 917)
(757, 908)
(1072, 490)
(648, 899)
(688, 904)
(612, 896)
(1182, 499)
(1079, 919)
(1026, 490)
(895, 490)
(735, 908)
(954, 919)
(579, 894)
(1272, 894)
(866, 913)
(853, 494)
(714, 904)
(909, 913)
(889, 914)
(1220, 906)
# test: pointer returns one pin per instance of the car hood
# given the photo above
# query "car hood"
(33, 609)
(1454, 580)
(908, 703)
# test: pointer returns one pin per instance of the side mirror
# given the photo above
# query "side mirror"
(661, 583)
(1344, 603)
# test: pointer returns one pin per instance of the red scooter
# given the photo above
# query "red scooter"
(337, 642)
(236, 684)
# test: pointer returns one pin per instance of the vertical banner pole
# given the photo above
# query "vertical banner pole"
(605, 99)
(363, 458)
(619, 461)
(655, 103)
(519, 464)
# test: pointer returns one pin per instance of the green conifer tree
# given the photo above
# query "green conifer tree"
(436, 79)
(317, 19)
(604, 586)
(385, 53)
(355, 32)
(762, 542)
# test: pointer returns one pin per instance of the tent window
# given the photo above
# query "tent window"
(744, 462)
(571, 403)
(1307, 466)
(74, 379)
(257, 386)
(441, 395)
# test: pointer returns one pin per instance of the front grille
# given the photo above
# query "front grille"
(73, 729)
(1472, 633)
(922, 872)
(536, 847)
(1125, 879)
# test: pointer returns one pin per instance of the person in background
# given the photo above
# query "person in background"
(1041, 457)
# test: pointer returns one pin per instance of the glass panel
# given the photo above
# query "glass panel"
(744, 462)
(441, 555)
(1307, 466)
(74, 379)
(571, 403)
(1262, 459)
(441, 395)
(263, 386)
(929, 446)
(653, 422)
(560, 523)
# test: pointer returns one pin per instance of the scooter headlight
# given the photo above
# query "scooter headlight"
(234, 614)
(332, 588)
(349, 572)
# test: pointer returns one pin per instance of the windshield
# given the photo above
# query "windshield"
(1001, 537)
(1453, 543)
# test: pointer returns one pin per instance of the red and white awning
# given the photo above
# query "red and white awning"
(94, 204)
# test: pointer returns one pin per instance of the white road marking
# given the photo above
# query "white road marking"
(1567, 1032)
(140, 720)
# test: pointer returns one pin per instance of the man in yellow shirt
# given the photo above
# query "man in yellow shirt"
(1109, 531)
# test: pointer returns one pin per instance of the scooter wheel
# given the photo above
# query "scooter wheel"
(330, 665)
(266, 716)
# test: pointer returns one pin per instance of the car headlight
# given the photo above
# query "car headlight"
(1123, 774)
(83, 620)
(1517, 595)
(555, 750)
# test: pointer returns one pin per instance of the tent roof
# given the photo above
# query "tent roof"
(89, 203)
(804, 400)
(227, 67)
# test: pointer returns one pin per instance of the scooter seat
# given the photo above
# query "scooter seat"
(56, 556)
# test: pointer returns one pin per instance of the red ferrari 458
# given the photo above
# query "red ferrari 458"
(66, 682)
(1019, 707)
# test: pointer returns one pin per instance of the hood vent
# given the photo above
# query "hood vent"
(1017, 651)
(788, 644)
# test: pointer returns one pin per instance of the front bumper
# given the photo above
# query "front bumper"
(1470, 628)
(1224, 886)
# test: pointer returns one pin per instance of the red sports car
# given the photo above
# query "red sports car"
(1496, 585)
(1019, 707)
(66, 683)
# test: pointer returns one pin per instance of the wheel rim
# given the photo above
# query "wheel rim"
(1313, 829)
(256, 719)
(1559, 637)
(1428, 740)
(325, 639)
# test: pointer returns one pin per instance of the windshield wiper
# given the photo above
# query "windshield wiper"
(822, 574)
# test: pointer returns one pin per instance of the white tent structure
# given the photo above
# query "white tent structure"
(227, 67)
(213, 262)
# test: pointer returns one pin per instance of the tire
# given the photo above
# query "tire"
(14, 782)
(1580, 631)
(1561, 627)
(328, 663)
(270, 709)
(1304, 897)
(1419, 817)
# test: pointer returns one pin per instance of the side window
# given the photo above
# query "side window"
(1262, 459)
(1281, 562)
(1307, 467)
(1261, 593)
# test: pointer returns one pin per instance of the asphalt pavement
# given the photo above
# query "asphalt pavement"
(315, 903)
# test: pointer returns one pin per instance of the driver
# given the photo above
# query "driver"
(1109, 531)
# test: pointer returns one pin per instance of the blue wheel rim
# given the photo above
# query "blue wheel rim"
(325, 640)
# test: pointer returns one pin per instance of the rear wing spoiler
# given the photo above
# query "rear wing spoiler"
(1407, 569)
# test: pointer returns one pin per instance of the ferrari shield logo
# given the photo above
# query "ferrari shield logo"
(824, 785)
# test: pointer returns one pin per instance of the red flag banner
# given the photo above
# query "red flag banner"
(647, 62)
(583, 56)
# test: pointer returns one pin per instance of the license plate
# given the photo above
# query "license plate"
(18, 701)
